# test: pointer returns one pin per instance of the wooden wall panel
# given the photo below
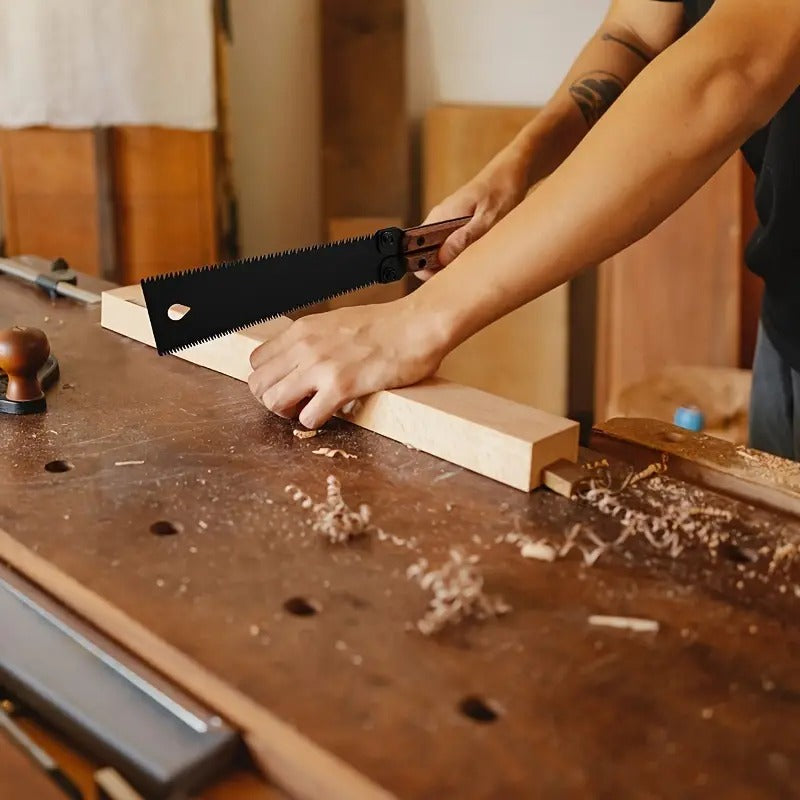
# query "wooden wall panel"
(165, 199)
(50, 190)
(674, 297)
(523, 356)
(365, 140)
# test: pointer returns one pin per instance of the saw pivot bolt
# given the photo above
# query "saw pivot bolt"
(23, 352)
(391, 270)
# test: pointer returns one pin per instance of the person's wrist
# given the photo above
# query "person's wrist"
(435, 323)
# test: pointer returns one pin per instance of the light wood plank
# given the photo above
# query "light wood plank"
(495, 437)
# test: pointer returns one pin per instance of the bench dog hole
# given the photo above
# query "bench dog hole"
(477, 708)
(165, 528)
(301, 607)
(59, 466)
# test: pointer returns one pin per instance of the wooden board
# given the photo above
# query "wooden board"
(523, 356)
(50, 191)
(21, 778)
(165, 195)
(365, 140)
(712, 694)
(673, 298)
(495, 437)
(750, 475)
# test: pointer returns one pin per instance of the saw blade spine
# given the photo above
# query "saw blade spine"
(252, 259)
(262, 320)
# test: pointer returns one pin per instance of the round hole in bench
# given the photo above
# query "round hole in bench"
(301, 607)
(59, 466)
(478, 709)
(165, 528)
(674, 436)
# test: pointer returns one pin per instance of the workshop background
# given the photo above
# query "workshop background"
(141, 137)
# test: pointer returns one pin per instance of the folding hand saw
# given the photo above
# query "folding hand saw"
(227, 297)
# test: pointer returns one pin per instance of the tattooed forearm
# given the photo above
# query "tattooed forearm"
(594, 93)
(607, 37)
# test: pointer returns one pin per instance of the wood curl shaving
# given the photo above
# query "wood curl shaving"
(331, 452)
(458, 594)
(333, 519)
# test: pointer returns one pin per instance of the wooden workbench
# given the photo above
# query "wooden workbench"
(709, 706)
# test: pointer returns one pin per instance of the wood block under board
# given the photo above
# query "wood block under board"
(507, 441)
(523, 356)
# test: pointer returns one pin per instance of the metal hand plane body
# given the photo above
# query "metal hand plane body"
(189, 307)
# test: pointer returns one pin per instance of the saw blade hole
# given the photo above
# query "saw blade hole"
(177, 311)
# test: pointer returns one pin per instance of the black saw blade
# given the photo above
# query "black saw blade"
(233, 295)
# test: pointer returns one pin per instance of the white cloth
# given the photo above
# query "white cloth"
(81, 63)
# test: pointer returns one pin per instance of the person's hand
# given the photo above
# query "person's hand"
(323, 361)
(487, 198)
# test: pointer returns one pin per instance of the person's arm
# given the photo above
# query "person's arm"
(675, 125)
(678, 122)
(632, 34)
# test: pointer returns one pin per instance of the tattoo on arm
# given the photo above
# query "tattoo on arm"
(607, 37)
(594, 94)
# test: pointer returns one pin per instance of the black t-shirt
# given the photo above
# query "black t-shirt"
(774, 249)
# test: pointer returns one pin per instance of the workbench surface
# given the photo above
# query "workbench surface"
(708, 706)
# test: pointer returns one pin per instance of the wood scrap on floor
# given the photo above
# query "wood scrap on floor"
(458, 593)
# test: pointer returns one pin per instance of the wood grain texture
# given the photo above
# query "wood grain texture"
(291, 760)
(365, 140)
(50, 192)
(673, 298)
(165, 196)
(21, 778)
(602, 711)
(523, 356)
(490, 435)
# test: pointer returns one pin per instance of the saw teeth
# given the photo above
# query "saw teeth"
(250, 259)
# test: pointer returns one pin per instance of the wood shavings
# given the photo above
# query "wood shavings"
(334, 519)
(636, 624)
(299, 434)
(458, 594)
(127, 463)
(332, 452)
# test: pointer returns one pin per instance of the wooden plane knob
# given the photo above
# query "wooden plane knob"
(23, 352)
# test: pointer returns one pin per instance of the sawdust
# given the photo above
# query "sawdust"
(127, 463)
(670, 517)
(458, 593)
(300, 434)
(334, 519)
(768, 466)
(332, 452)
